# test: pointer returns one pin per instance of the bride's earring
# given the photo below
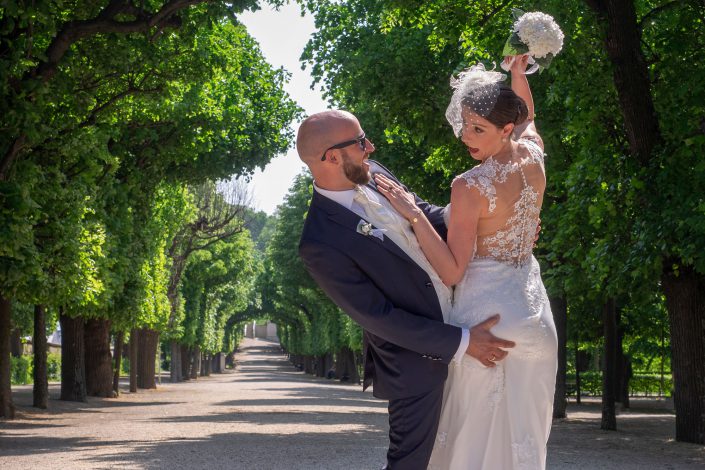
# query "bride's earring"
(504, 140)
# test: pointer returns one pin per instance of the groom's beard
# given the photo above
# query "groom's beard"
(355, 173)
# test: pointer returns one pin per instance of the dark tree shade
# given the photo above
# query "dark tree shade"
(7, 408)
(39, 346)
(609, 369)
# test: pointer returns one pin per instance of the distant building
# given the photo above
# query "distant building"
(53, 343)
(262, 330)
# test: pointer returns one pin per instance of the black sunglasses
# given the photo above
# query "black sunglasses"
(361, 141)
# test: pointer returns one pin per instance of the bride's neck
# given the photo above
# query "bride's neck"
(504, 154)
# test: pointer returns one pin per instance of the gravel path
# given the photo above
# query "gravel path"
(267, 415)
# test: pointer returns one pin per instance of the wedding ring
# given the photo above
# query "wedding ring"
(493, 358)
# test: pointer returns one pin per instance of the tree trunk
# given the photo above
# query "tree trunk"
(158, 360)
(329, 369)
(16, 348)
(205, 365)
(626, 377)
(134, 348)
(630, 75)
(662, 383)
(73, 366)
(175, 367)
(40, 391)
(619, 359)
(581, 365)
(359, 365)
(218, 359)
(7, 408)
(321, 365)
(309, 364)
(559, 307)
(685, 299)
(99, 363)
(609, 321)
(119, 341)
(146, 358)
(353, 370)
(623, 373)
(298, 361)
(346, 370)
(185, 362)
(340, 369)
(195, 362)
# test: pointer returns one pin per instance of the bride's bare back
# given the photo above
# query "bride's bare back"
(514, 191)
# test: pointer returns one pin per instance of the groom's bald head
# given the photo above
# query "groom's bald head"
(323, 130)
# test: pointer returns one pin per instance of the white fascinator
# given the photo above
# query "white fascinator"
(477, 89)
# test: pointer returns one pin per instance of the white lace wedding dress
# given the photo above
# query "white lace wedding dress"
(500, 418)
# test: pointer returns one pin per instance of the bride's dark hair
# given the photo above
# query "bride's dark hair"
(510, 108)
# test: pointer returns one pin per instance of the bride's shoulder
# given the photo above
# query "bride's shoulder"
(478, 175)
(533, 147)
(477, 182)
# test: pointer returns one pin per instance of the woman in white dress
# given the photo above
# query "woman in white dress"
(496, 416)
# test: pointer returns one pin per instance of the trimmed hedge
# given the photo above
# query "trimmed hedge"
(641, 384)
(23, 367)
(21, 372)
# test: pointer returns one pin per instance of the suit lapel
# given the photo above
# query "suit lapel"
(350, 220)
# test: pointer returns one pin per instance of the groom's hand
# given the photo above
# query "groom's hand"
(486, 347)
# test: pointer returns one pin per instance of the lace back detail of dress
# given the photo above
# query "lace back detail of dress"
(513, 238)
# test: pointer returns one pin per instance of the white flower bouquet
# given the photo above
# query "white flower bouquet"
(535, 34)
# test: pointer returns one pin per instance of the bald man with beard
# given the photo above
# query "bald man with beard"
(364, 256)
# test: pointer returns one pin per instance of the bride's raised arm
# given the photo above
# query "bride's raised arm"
(520, 85)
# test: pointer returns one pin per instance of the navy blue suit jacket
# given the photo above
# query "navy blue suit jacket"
(407, 347)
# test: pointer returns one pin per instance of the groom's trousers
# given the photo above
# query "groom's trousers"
(413, 423)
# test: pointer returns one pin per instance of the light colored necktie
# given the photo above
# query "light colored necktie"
(377, 213)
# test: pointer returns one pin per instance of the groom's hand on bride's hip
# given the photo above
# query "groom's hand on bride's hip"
(486, 347)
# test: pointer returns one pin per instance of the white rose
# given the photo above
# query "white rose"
(540, 33)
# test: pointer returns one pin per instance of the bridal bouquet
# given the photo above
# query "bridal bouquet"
(536, 34)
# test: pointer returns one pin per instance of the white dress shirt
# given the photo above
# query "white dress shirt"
(408, 243)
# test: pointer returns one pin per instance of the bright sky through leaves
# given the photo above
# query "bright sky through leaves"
(282, 36)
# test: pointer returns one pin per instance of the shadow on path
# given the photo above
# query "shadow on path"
(264, 415)
(267, 415)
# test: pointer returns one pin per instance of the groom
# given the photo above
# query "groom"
(363, 254)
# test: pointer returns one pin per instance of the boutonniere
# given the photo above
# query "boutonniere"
(365, 228)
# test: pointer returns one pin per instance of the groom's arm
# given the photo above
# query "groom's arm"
(353, 291)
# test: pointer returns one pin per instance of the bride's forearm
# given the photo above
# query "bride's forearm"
(437, 251)
(520, 85)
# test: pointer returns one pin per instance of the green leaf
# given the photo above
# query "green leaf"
(517, 13)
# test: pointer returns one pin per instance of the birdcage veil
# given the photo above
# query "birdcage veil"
(478, 89)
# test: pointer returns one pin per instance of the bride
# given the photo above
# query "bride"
(495, 415)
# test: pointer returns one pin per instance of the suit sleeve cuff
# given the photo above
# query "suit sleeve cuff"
(464, 343)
